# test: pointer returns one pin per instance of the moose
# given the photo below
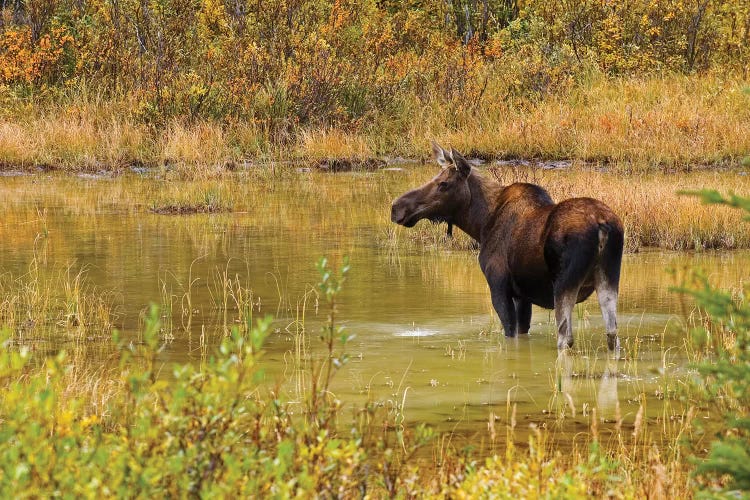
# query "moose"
(532, 250)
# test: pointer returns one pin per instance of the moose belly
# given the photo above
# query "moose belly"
(584, 293)
(538, 290)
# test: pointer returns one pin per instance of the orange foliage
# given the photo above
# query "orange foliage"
(21, 61)
(284, 63)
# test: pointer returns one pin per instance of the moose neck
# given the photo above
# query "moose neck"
(472, 218)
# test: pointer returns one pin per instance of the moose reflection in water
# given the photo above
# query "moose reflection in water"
(532, 250)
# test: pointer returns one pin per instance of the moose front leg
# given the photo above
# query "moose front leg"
(523, 314)
(502, 301)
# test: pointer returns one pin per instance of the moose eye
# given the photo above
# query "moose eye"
(442, 186)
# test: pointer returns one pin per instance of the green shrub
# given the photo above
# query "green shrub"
(725, 333)
(207, 430)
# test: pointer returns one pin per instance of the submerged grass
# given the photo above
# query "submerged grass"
(206, 201)
(41, 307)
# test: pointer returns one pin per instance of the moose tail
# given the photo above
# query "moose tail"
(603, 236)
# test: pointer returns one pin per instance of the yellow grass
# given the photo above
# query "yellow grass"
(638, 123)
(201, 144)
(675, 120)
(332, 143)
(79, 137)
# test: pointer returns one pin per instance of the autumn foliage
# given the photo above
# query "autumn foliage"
(287, 62)
(209, 83)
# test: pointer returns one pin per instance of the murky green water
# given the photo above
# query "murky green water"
(426, 344)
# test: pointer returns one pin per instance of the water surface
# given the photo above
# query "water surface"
(427, 345)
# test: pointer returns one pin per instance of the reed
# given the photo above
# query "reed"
(52, 304)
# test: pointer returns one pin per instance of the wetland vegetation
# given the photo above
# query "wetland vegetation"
(457, 409)
(168, 185)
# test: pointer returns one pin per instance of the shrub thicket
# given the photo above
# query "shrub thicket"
(283, 63)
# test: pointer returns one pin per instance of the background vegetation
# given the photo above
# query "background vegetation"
(103, 83)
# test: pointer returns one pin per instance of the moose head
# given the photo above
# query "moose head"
(442, 198)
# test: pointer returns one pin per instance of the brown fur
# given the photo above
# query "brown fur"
(532, 251)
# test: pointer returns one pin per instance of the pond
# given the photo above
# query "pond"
(427, 346)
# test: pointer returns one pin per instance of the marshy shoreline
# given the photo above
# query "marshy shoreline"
(655, 206)
(636, 124)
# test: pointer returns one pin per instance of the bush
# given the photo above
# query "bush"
(206, 430)
(341, 62)
(725, 333)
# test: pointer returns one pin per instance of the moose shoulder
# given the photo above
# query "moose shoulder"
(532, 250)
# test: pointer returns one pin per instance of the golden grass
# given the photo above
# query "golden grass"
(332, 143)
(60, 306)
(675, 120)
(77, 137)
(203, 143)
(637, 123)
(649, 204)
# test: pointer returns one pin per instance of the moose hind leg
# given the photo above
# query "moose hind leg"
(606, 293)
(523, 314)
(577, 267)
(565, 300)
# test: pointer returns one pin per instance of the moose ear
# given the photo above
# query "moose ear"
(442, 156)
(462, 165)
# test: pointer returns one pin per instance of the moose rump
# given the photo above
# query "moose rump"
(532, 250)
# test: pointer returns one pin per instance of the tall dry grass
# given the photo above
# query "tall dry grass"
(650, 121)
(75, 136)
(640, 123)
(650, 205)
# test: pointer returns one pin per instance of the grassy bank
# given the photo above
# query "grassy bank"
(649, 123)
(204, 86)
(656, 84)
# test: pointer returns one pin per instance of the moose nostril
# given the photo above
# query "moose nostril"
(397, 215)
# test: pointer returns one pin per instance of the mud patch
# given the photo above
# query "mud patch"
(188, 209)
(348, 165)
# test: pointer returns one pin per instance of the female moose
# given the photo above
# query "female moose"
(532, 250)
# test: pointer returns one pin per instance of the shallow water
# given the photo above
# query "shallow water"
(427, 345)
